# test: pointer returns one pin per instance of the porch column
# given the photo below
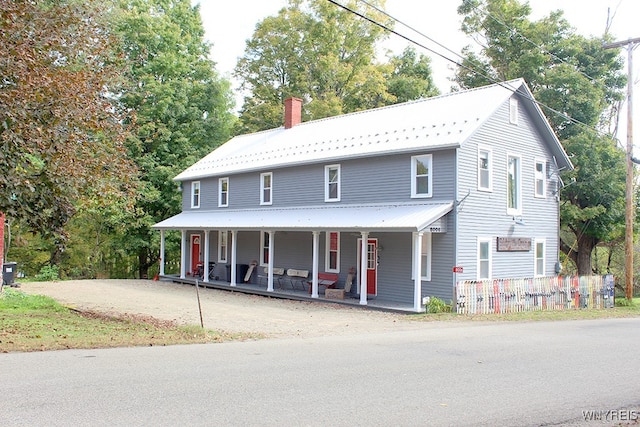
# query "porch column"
(314, 271)
(161, 252)
(270, 264)
(183, 254)
(417, 271)
(233, 257)
(206, 256)
(364, 249)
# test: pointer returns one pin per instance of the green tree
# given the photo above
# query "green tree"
(61, 131)
(575, 80)
(183, 108)
(325, 55)
(411, 77)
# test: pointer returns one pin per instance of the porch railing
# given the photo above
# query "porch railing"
(534, 294)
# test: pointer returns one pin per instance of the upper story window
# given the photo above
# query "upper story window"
(223, 239)
(485, 169)
(513, 111)
(514, 185)
(195, 194)
(332, 255)
(266, 180)
(484, 258)
(332, 183)
(540, 261)
(421, 175)
(223, 192)
(540, 178)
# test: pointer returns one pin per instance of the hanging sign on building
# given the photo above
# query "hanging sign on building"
(514, 244)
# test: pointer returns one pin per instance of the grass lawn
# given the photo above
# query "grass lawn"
(38, 323)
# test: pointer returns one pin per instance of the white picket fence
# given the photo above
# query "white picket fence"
(534, 294)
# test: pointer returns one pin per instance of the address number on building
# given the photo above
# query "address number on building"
(457, 269)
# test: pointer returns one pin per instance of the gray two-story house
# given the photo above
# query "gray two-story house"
(463, 186)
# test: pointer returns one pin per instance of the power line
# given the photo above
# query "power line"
(466, 67)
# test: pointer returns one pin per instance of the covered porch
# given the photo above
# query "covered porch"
(302, 233)
(293, 294)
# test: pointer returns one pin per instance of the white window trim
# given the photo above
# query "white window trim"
(518, 210)
(263, 235)
(327, 168)
(513, 111)
(327, 267)
(414, 193)
(222, 254)
(544, 178)
(220, 182)
(263, 188)
(195, 185)
(535, 257)
(426, 239)
(482, 240)
(490, 169)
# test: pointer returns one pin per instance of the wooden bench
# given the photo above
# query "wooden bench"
(278, 273)
(328, 280)
(297, 277)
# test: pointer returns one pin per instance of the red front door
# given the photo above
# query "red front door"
(372, 264)
(195, 251)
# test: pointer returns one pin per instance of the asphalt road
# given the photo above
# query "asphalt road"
(462, 374)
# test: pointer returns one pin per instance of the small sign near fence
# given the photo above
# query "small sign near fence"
(458, 269)
(534, 294)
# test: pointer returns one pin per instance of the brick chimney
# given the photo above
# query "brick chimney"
(292, 112)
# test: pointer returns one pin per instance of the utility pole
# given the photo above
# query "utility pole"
(629, 211)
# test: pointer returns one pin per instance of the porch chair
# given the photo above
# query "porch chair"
(297, 277)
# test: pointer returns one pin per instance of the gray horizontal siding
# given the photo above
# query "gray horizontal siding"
(372, 180)
(484, 214)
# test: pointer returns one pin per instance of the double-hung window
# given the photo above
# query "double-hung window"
(264, 248)
(421, 175)
(332, 253)
(484, 258)
(195, 194)
(540, 178)
(223, 239)
(425, 257)
(223, 192)
(514, 185)
(484, 169)
(266, 182)
(540, 259)
(332, 183)
(513, 111)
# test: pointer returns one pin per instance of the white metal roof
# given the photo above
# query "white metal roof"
(369, 217)
(438, 122)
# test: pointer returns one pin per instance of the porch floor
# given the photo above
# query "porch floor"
(374, 303)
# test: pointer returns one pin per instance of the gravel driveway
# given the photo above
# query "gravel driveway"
(221, 310)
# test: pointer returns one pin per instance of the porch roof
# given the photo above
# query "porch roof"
(366, 217)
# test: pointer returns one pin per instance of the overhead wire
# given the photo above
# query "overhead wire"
(459, 64)
(475, 71)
